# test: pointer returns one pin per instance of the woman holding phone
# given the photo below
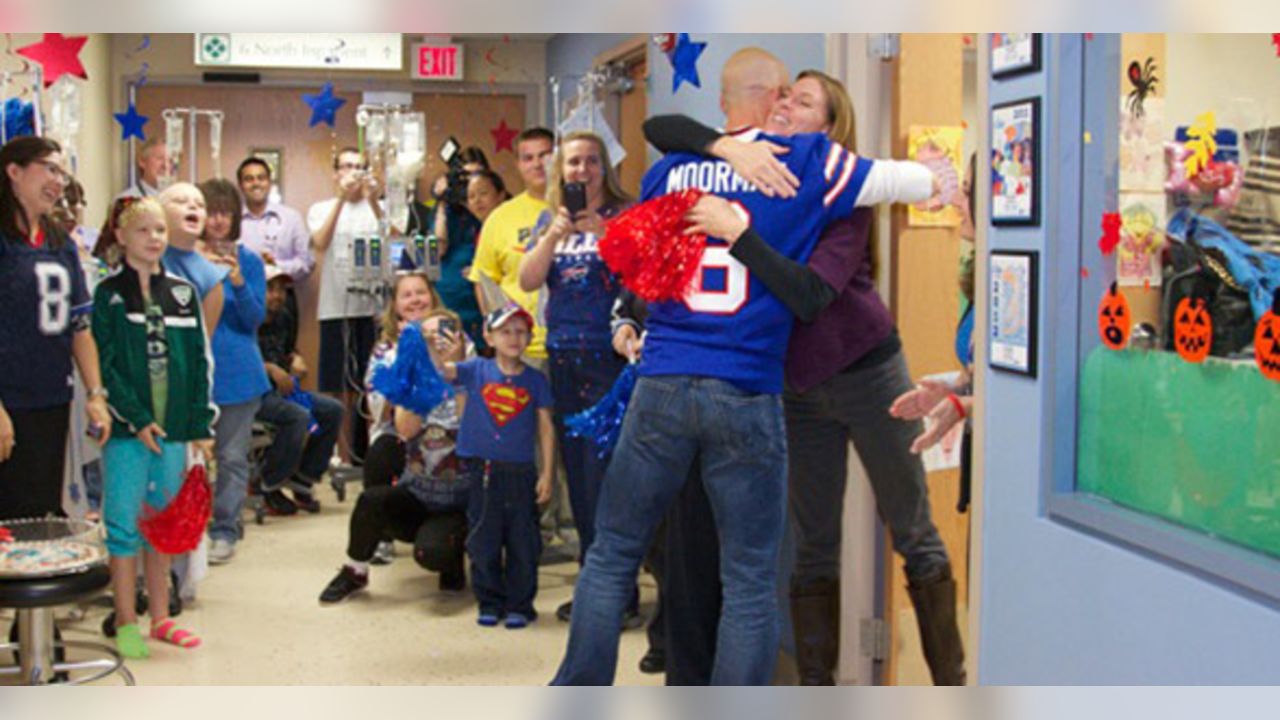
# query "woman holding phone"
(583, 192)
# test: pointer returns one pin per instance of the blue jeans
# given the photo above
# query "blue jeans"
(503, 540)
(740, 443)
(295, 450)
(233, 431)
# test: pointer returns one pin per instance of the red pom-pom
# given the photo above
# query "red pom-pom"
(179, 527)
(647, 248)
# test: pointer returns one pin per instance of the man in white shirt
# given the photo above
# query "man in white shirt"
(346, 317)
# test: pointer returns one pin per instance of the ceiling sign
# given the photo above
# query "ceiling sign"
(330, 51)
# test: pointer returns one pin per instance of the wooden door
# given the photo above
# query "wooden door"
(276, 118)
(928, 87)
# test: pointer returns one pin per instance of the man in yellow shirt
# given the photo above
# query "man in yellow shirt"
(506, 234)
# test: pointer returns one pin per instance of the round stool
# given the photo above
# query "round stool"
(48, 562)
(34, 600)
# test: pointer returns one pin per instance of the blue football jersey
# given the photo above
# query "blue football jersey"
(730, 326)
(43, 300)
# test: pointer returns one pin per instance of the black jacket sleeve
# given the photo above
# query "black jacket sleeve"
(628, 309)
(801, 289)
(679, 133)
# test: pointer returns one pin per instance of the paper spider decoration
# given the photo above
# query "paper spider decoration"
(1144, 81)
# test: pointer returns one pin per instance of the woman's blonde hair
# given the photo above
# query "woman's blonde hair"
(843, 129)
(613, 192)
(390, 321)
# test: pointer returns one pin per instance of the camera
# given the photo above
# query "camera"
(456, 191)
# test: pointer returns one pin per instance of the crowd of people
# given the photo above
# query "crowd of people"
(181, 317)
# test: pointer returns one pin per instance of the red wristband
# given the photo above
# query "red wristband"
(959, 405)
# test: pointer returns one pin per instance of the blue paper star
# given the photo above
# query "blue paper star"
(684, 62)
(131, 123)
(323, 105)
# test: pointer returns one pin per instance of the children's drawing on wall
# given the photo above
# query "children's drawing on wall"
(1142, 148)
(1141, 238)
(939, 149)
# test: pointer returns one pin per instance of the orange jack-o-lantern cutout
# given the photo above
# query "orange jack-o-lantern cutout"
(1192, 329)
(1114, 319)
(1266, 341)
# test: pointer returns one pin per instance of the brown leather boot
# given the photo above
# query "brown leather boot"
(935, 603)
(815, 622)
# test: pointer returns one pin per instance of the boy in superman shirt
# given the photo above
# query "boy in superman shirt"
(507, 409)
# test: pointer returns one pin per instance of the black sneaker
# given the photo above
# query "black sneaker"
(306, 501)
(564, 612)
(653, 662)
(278, 503)
(347, 582)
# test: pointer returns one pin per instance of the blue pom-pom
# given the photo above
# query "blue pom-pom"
(602, 423)
(19, 118)
(412, 381)
(305, 400)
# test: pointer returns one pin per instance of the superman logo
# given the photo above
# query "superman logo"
(504, 401)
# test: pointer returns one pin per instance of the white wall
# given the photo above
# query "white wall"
(1236, 76)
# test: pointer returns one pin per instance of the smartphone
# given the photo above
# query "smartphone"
(575, 198)
(448, 327)
(448, 150)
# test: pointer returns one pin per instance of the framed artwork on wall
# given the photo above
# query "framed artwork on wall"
(1015, 163)
(1014, 298)
(1014, 54)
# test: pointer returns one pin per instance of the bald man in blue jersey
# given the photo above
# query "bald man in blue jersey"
(710, 386)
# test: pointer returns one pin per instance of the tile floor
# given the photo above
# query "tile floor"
(262, 623)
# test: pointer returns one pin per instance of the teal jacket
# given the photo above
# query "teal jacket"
(119, 327)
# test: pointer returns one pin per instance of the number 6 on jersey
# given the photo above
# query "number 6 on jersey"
(722, 284)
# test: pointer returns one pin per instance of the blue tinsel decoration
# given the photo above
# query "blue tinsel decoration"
(19, 118)
(602, 423)
(412, 381)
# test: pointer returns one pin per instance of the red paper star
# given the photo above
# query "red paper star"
(504, 137)
(59, 55)
(1275, 40)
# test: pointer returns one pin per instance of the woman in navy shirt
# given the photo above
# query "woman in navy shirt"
(580, 294)
(44, 325)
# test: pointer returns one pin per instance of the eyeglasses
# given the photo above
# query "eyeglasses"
(351, 166)
(55, 169)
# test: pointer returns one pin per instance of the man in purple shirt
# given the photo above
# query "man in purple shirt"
(275, 232)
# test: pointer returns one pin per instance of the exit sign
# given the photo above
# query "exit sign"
(437, 62)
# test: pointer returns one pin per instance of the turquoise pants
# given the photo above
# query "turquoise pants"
(136, 476)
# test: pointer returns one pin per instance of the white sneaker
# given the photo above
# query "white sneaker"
(384, 554)
(221, 552)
